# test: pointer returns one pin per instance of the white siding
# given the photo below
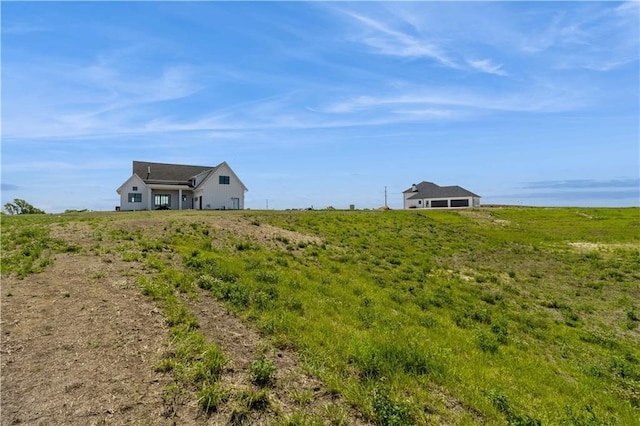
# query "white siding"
(410, 204)
(127, 188)
(220, 196)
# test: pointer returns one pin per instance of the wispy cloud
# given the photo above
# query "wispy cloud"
(466, 99)
(58, 166)
(600, 37)
(623, 191)
(486, 65)
(397, 32)
(584, 184)
(587, 196)
(79, 100)
(388, 41)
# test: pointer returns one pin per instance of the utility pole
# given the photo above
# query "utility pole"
(385, 197)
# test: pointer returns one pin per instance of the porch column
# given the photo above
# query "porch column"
(150, 199)
(179, 198)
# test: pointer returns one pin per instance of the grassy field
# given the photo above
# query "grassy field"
(521, 316)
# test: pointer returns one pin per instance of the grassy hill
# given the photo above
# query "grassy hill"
(501, 316)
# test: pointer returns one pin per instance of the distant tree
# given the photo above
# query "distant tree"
(21, 207)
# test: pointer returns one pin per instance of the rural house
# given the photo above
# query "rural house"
(428, 195)
(156, 186)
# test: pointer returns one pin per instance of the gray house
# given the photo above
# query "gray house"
(154, 186)
(428, 195)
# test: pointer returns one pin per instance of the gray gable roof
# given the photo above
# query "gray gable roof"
(431, 190)
(171, 173)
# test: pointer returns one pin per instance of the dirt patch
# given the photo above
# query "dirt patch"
(484, 217)
(262, 233)
(78, 345)
(587, 246)
(584, 245)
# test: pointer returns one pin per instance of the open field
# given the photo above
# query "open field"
(521, 316)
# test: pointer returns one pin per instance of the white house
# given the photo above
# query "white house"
(154, 186)
(428, 195)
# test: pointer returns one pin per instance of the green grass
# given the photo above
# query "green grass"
(501, 302)
(501, 316)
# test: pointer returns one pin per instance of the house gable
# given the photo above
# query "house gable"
(222, 169)
(129, 201)
(219, 193)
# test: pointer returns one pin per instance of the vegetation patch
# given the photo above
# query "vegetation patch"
(497, 308)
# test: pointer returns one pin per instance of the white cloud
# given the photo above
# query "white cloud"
(599, 37)
(59, 99)
(486, 66)
(544, 98)
(388, 41)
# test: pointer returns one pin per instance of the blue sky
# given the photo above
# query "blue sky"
(324, 103)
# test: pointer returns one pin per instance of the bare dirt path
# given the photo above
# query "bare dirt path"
(78, 345)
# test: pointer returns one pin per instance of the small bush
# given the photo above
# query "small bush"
(262, 371)
(487, 343)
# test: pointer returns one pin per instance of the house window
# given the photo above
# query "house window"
(223, 180)
(135, 197)
(419, 201)
(135, 188)
(160, 200)
(440, 203)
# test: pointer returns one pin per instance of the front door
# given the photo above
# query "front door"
(235, 203)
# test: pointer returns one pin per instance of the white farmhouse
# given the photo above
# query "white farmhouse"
(428, 195)
(155, 186)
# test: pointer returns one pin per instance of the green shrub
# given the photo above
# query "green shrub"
(487, 342)
(262, 371)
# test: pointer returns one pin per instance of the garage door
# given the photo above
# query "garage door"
(460, 203)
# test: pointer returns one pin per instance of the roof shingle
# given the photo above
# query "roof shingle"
(176, 173)
(431, 190)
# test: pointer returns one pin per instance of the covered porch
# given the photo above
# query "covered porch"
(173, 197)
